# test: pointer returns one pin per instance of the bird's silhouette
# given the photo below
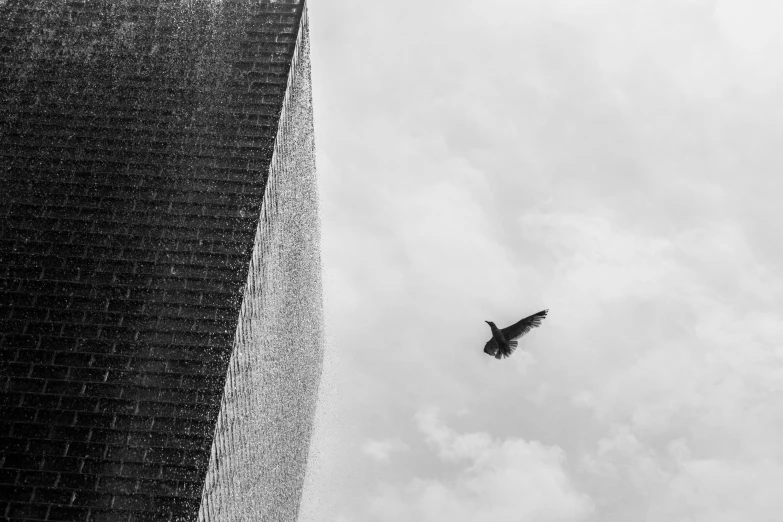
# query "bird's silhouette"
(504, 342)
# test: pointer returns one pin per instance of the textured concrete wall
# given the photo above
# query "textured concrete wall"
(135, 139)
(259, 454)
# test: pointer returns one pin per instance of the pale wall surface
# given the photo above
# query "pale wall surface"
(260, 450)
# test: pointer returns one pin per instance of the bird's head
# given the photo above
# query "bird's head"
(490, 323)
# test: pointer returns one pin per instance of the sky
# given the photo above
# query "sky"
(615, 161)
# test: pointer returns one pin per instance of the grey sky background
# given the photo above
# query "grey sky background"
(616, 161)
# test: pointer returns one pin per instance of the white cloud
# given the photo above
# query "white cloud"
(512, 480)
(381, 450)
(614, 161)
(695, 401)
(343, 518)
(676, 485)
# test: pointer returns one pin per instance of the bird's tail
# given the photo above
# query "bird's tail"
(512, 345)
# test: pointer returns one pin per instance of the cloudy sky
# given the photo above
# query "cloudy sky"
(616, 161)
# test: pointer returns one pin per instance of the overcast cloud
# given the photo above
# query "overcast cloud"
(616, 161)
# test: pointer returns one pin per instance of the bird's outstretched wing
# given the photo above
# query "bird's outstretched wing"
(517, 330)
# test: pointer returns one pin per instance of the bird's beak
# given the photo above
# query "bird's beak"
(487, 322)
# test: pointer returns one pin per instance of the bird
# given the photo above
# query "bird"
(504, 342)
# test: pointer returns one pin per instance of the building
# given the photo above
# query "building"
(161, 323)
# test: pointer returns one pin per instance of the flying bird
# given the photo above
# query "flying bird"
(504, 342)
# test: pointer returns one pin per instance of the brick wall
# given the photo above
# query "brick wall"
(135, 138)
